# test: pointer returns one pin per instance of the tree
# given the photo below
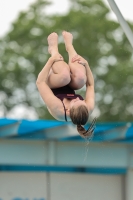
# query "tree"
(97, 38)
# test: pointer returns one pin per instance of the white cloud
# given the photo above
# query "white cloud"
(125, 8)
(10, 9)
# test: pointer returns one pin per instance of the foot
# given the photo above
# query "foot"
(68, 39)
(53, 43)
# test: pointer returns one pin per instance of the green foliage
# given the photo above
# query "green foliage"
(23, 53)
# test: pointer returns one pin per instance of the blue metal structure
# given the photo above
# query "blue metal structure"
(37, 129)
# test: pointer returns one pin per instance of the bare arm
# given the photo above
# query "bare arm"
(90, 79)
(90, 93)
(43, 75)
(51, 101)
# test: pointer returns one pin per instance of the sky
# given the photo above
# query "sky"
(9, 10)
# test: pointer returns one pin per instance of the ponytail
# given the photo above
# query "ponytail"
(89, 132)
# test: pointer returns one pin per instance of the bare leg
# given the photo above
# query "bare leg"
(78, 72)
(59, 75)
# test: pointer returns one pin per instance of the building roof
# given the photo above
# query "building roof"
(52, 129)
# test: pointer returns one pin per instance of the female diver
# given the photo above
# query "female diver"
(58, 81)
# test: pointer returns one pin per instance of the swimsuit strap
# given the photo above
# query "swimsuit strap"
(64, 111)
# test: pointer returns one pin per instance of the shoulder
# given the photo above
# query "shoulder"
(57, 113)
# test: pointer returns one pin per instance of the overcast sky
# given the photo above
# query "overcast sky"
(9, 10)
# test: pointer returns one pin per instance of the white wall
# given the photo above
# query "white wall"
(60, 186)
(86, 187)
(26, 186)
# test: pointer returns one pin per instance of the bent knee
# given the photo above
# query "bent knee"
(78, 80)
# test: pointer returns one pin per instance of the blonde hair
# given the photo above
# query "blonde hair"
(79, 117)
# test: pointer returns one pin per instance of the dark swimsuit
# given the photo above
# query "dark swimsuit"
(65, 92)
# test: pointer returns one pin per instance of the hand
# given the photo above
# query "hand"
(80, 60)
(56, 57)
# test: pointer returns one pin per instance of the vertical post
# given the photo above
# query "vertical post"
(129, 179)
(51, 152)
(122, 21)
(48, 186)
(51, 160)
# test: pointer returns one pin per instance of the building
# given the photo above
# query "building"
(48, 160)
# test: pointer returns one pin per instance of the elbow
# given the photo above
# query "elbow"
(89, 84)
(39, 80)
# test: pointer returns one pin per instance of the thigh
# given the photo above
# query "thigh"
(78, 75)
(59, 75)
